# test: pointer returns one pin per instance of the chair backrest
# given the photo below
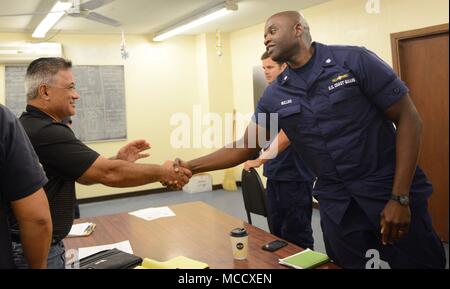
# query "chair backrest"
(255, 199)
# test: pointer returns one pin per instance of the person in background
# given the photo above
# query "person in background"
(289, 182)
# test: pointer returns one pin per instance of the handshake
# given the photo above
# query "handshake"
(175, 174)
(172, 174)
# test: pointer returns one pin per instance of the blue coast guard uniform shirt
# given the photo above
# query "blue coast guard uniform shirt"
(287, 166)
(333, 115)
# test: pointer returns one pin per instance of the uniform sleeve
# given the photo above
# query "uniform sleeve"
(262, 115)
(62, 154)
(22, 174)
(378, 81)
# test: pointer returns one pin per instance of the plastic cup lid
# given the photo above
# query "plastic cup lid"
(238, 232)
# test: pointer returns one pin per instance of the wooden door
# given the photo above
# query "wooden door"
(421, 59)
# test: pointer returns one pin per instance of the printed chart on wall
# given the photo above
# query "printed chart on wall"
(101, 113)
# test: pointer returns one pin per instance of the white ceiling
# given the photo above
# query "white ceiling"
(144, 16)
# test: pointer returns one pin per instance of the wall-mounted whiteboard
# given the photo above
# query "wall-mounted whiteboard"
(100, 109)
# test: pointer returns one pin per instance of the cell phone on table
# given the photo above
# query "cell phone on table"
(274, 245)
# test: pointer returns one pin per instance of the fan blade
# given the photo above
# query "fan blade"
(102, 19)
(94, 4)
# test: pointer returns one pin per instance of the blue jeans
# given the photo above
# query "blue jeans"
(56, 256)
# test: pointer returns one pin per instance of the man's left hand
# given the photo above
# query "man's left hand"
(252, 164)
(133, 151)
(395, 221)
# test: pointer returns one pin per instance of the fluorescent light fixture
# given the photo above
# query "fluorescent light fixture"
(57, 11)
(219, 11)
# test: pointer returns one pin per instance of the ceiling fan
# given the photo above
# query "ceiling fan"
(85, 10)
(74, 9)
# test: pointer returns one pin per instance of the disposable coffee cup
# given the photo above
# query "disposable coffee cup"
(239, 243)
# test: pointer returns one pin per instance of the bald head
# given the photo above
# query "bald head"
(286, 34)
(290, 17)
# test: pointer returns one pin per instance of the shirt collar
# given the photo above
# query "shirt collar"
(323, 58)
(34, 111)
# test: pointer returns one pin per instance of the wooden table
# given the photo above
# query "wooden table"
(198, 231)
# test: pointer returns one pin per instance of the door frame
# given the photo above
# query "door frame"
(399, 36)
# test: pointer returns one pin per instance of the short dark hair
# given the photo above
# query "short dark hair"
(42, 71)
(265, 55)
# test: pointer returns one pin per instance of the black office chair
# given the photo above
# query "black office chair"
(254, 194)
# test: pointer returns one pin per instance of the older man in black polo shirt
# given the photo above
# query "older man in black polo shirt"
(21, 182)
(51, 96)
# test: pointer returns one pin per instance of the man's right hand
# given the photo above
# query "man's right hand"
(178, 163)
(174, 176)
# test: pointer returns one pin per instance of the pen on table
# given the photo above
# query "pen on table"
(88, 228)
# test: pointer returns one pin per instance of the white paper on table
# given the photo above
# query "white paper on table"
(124, 246)
(79, 229)
(153, 213)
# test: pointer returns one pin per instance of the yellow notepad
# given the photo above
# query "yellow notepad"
(179, 262)
(305, 260)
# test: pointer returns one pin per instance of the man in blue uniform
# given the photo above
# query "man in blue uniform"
(289, 183)
(338, 106)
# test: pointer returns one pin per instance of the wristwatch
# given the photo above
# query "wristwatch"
(402, 199)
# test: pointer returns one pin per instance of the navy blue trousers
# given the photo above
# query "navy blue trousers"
(290, 210)
(348, 243)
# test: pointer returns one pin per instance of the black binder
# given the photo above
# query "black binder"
(110, 259)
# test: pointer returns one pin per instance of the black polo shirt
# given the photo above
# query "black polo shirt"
(20, 175)
(64, 158)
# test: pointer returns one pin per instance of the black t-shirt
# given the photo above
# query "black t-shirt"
(20, 175)
(64, 158)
